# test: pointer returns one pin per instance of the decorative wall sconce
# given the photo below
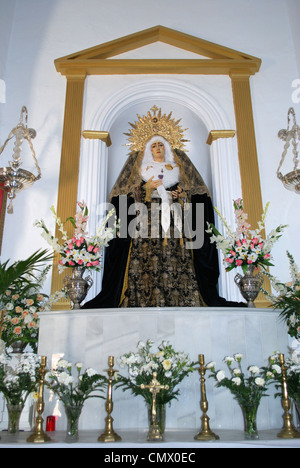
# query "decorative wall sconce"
(291, 180)
(13, 179)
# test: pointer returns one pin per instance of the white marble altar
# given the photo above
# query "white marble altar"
(90, 336)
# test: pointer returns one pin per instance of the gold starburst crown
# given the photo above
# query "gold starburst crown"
(155, 124)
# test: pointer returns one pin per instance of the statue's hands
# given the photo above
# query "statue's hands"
(153, 184)
(178, 193)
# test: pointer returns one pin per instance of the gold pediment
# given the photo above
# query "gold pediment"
(213, 58)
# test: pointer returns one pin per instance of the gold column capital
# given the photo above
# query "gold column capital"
(242, 74)
(216, 134)
(97, 135)
(76, 74)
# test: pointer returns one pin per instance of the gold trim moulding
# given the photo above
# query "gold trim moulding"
(216, 134)
(82, 67)
(96, 135)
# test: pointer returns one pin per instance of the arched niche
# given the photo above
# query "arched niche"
(217, 162)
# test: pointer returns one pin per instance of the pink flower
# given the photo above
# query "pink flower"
(239, 243)
(267, 256)
(71, 263)
(80, 262)
(249, 261)
(229, 260)
(78, 242)
(233, 253)
(90, 248)
(239, 262)
(70, 245)
(254, 240)
(95, 250)
(95, 262)
(89, 264)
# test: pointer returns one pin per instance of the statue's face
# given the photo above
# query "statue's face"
(158, 151)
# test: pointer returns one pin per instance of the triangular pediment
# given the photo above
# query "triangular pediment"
(208, 57)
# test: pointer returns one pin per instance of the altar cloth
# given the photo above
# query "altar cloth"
(90, 336)
(175, 444)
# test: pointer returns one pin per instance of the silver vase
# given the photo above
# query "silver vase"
(77, 287)
(249, 284)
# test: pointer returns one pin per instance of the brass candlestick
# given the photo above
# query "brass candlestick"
(109, 435)
(39, 436)
(154, 387)
(205, 432)
(288, 431)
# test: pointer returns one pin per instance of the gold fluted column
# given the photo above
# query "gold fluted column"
(247, 151)
(247, 154)
(69, 165)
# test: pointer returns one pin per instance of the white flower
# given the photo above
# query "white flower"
(237, 381)
(220, 376)
(79, 365)
(237, 371)
(254, 369)
(238, 356)
(260, 382)
(276, 368)
(90, 372)
(64, 378)
(63, 363)
(229, 360)
(211, 365)
(167, 364)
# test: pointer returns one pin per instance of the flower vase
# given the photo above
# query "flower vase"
(14, 415)
(73, 414)
(77, 287)
(18, 346)
(250, 426)
(160, 416)
(249, 284)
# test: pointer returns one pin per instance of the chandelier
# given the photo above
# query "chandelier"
(291, 135)
(13, 179)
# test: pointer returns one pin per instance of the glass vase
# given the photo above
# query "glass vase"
(14, 415)
(250, 425)
(73, 414)
(160, 416)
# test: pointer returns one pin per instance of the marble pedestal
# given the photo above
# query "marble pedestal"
(90, 336)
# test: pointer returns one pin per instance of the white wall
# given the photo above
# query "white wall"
(39, 31)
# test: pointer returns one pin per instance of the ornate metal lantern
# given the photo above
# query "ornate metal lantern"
(13, 179)
(291, 180)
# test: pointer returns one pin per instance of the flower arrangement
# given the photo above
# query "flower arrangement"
(171, 368)
(292, 375)
(17, 382)
(248, 391)
(73, 391)
(244, 246)
(81, 249)
(19, 307)
(288, 298)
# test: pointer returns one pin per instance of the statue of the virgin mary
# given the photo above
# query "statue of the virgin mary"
(160, 262)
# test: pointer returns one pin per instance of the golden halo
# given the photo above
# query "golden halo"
(156, 124)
